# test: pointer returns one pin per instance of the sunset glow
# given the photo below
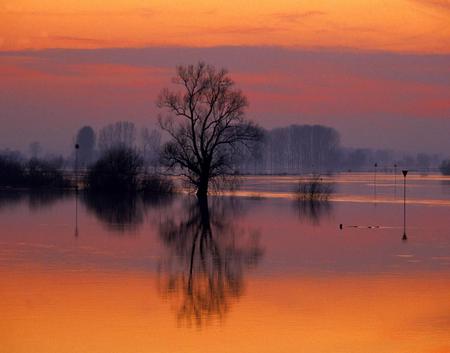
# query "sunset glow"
(249, 176)
(419, 26)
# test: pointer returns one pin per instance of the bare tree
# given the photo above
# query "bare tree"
(119, 134)
(206, 124)
(35, 149)
(151, 147)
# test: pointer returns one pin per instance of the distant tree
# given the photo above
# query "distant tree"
(86, 142)
(358, 158)
(35, 149)
(423, 161)
(206, 124)
(119, 134)
(445, 167)
(151, 147)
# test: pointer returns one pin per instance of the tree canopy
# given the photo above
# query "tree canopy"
(206, 122)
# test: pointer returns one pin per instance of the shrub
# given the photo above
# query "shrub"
(42, 174)
(33, 174)
(314, 189)
(445, 167)
(117, 170)
(11, 172)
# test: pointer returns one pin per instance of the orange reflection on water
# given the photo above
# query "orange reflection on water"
(66, 311)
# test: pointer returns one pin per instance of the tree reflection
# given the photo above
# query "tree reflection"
(36, 199)
(313, 211)
(208, 255)
(122, 213)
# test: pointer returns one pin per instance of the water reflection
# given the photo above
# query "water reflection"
(207, 256)
(36, 199)
(313, 211)
(123, 214)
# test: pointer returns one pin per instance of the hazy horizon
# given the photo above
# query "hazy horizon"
(375, 99)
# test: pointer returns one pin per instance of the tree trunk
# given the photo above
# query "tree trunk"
(202, 187)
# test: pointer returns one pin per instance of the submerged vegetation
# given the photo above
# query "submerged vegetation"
(312, 198)
(314, 189)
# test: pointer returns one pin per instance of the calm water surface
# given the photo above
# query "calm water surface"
(257, 271)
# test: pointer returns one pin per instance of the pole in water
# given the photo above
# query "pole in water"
(76, 215)
(375, 180)
(395, 179)
(405, 172)
(77, 147)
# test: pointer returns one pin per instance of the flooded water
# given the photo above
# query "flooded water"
(254, 271)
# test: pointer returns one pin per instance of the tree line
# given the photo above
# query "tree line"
(205, 137)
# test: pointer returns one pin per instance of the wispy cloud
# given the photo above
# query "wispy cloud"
(79, 39)
(242, 30)
(297, 16)
(144, 12)
(437, 4)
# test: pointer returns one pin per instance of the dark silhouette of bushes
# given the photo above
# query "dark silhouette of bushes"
(120, 170)
(34, 174)
(12, 172)
(42, 174)
(445, 167)
(117, 170)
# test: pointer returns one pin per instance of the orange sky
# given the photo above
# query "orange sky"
(421, 26)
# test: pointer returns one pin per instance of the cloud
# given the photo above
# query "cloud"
(91, 41)
(241, 30)
(437, 4)
(297, 16)
(144, 12)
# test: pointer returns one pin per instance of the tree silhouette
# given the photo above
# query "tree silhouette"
(116, 171)
(119, 134)
(86, 142)
(35, 149)
(205, 123)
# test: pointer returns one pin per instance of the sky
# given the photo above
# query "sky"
(378, 71)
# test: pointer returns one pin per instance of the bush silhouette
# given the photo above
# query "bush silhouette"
(34, 174)
(11, 172)
(117, 170)
(445, 167)
(42, 174)
(314, 189)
